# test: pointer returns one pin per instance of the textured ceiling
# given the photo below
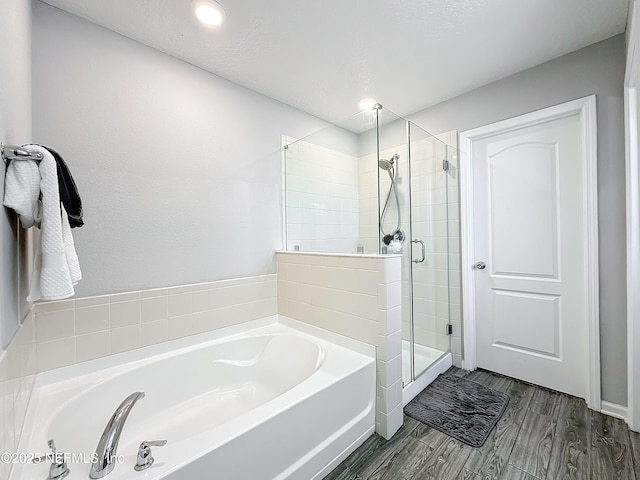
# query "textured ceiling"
(323, 56)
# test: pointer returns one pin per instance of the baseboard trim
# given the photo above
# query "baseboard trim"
(613, 410)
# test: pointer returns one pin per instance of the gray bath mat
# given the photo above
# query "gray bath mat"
(460, 408)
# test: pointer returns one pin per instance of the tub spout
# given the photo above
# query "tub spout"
(106, 451)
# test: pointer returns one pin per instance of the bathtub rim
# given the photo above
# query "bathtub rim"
(192, 342)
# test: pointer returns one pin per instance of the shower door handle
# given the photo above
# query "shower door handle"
(423, 251)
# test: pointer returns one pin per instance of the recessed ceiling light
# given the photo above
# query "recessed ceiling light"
(367, 104)
(209, 12)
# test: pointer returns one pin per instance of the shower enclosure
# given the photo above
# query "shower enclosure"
(379, 184)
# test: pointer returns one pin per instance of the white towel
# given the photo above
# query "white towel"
(55, 268)
(21, 191)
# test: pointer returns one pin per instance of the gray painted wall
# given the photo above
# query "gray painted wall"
(598, 69)
(15, 127)
(171, 161)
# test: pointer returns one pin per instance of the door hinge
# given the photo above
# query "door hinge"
(449, 329)
(445, 165)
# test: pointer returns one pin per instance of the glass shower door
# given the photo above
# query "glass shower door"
(429, 251)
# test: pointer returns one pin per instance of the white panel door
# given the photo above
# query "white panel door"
(530, 287)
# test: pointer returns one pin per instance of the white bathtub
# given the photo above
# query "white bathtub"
(270, 402)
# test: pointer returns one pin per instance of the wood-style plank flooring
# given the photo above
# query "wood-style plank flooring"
(543, 435)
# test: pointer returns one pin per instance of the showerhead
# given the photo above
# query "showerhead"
(385, 164)
(388, 164)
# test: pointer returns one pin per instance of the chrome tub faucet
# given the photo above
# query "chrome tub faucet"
(108, 444)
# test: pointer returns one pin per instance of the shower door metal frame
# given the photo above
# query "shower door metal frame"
(378, 175)
(412, 352)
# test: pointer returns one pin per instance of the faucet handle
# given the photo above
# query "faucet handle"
(58, 469)
(153, 443)
(145, 459)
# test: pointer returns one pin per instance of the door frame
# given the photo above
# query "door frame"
(586, 109)
(632, 174)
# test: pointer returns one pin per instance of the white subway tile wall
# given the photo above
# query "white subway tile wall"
(368, 201)
(72, 331)
(321, 199)
(17, 374)
(357, 296)
(92, 345)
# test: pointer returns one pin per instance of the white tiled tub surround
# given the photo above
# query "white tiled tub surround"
(17, 375)
(357, 296)
(321, 198)
(77, 330)
(57, 334)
